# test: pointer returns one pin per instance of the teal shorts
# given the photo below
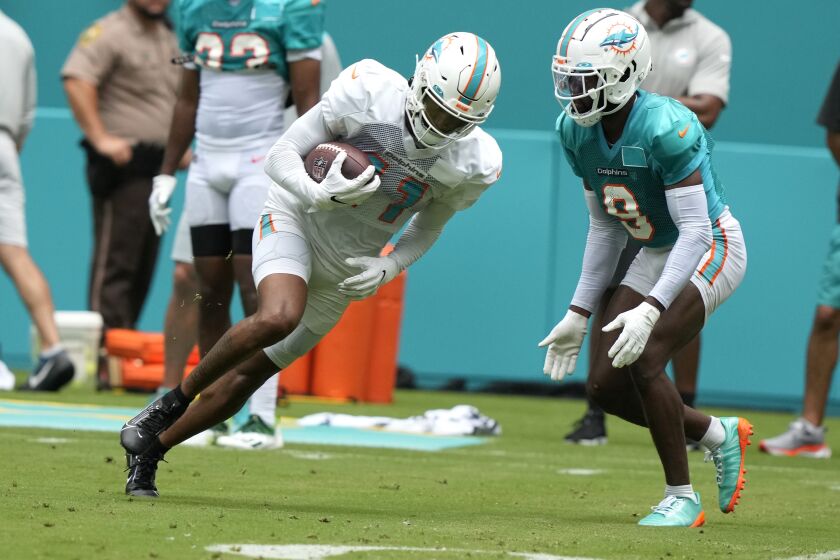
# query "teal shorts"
(829, 290)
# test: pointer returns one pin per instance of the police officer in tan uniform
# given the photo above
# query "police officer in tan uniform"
(121, 84)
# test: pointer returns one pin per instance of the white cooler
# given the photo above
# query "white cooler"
(79, 332)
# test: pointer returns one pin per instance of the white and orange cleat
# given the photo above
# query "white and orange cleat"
(802, 439)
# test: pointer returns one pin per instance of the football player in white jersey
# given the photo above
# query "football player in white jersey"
(317, 245)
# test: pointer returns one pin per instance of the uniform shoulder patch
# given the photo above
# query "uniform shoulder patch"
(90, 34)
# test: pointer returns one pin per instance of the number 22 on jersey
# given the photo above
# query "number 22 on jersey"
(620, 203)
(240, 45)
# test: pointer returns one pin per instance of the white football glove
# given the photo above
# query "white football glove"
(376, 272)
(638, 324)
(337, 190)
(159, 210)
(564, 342)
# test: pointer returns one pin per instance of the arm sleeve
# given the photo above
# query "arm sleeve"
(421, 233)
(284, 163)
(604, 243)
(92, 58)
(712, 73)
(304, 25)
(687, 207)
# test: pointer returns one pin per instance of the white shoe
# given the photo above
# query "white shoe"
(7, 378)
(201, 439)
(207, 437)
(253, 434)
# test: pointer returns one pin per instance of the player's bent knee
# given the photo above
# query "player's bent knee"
(273, 328)
(183, 278)
(647, 369)
(602, 394)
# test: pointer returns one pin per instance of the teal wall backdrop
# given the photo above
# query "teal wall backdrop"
(783, 52)
(504, 271)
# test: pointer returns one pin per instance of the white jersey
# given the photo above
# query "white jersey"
(225, 121)
(365, 107)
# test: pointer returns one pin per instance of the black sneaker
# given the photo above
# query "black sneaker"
(141, 475)
(138, 433)
(589, 430)
(50, 374)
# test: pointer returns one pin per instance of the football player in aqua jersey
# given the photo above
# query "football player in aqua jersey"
(318, 244)
(243, 59)
(645, 162)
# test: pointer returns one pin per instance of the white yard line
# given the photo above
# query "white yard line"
(830, 555)
(322, 551)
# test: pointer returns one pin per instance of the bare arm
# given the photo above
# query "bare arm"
(707, 107)
(832, 139)
(84, 102)
(305, 78)
(182, 129)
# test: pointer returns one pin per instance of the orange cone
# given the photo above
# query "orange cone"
(342, 357)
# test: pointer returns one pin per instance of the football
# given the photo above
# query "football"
(319, 160)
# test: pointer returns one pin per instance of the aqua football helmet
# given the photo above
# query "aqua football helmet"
(453, 90)
(601, 60)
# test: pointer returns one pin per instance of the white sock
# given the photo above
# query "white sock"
(684, 491)
(809, 426)
(714, 436)
(263, 402)
(48, 353)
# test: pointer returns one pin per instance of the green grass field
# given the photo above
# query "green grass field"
(64, 499)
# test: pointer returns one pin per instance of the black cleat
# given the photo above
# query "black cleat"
(138, 433)
(141, 475)
(591, 429)
(51, 374)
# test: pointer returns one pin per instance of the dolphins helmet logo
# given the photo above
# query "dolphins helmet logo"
(438, 47)
(621, 38)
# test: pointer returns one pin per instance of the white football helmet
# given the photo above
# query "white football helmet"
(454, 87)
(602, 58)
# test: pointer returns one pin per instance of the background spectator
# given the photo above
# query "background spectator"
(121, 85)
(17, 112)
(806, 435)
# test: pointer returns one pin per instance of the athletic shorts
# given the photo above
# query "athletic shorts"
(624, 261)
(314, 247)
(829, 288)
(717, 276)
(12, 218)
(227, 187)
(182, 245)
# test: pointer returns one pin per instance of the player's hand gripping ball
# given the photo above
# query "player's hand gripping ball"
(351, 183)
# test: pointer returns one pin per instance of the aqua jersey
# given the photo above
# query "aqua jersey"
(662, 144)
(250, 34)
